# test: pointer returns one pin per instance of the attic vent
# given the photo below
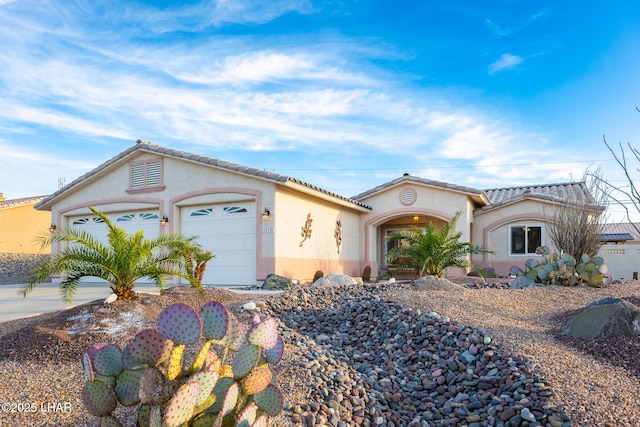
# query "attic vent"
(147, 174)
(408, 196)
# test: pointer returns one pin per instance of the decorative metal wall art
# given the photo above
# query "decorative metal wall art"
(306, 230)
(337, 233)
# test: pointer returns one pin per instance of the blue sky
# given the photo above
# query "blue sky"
(345, 95)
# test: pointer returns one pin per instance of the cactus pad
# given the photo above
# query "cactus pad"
(207, 420)
(174, 367)
(248, 415)
(220, 391)
(107, 360)
(98, 398)
(245, 360)
(230, 400)
(270, 400)
(262, 421)
(180, 323)
(180, 407)
(149, 347)
(110, 421)
(207, 381)
(264, 334)
(127, 387)
(257, 380)
(215, 320)
(275, 353)
(236, 334)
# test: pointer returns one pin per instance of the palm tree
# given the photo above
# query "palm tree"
(123, 260)
(196, 259)
(430, 251)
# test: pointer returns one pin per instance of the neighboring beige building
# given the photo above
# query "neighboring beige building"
(257, 222)
(621, 249)
(21, 224)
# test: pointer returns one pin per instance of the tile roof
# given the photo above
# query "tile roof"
(410, 178)
(14, 203)
(150, 147)
(575, 192)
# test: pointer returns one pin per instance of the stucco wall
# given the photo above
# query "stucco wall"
(20, 227)
(491, 229)
(429, 203)
(622, 259)
(320, 251)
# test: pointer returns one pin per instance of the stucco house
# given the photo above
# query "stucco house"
(21, 224)
(257, 222)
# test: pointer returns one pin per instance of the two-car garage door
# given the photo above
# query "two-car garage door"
(226, 229)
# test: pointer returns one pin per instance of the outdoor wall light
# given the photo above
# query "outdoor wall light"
(266, 215)
(164, 220)
(53, 228)
(416, 218)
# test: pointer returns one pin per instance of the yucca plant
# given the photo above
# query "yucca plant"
(121, 261)
(430, 251)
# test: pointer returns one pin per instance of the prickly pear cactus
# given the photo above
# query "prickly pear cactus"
(554, 269)
(237, 387)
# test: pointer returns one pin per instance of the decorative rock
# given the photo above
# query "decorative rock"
(606, 318)
(522, 282)
(335, 279)
(111, 298)
(372, 362)
(275, 282)
(250, 306)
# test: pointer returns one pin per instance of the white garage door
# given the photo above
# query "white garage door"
(149, 221)
(229, 231)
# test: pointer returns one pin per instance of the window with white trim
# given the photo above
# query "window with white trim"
(146, 174)
(525, 238)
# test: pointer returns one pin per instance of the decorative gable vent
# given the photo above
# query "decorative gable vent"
(146, 174)
(408, 196)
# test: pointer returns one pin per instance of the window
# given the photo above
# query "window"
(525, 238)
(145, 175)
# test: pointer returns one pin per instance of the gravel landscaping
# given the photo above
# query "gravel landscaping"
(373, 355)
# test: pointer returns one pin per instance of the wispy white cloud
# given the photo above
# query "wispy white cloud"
(506, 62)
(235, 93)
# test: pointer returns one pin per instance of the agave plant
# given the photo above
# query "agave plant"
(430, 251)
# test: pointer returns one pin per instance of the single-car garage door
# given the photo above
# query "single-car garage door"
(229, 231)
(149, 221)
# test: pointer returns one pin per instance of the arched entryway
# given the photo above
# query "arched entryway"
(378, 228)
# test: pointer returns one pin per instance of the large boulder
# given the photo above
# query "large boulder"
(335, 279)
(275, 282)
(433, 283)
(606, 318)
(523, 282)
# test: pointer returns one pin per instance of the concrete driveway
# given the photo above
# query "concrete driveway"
(46, 298)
